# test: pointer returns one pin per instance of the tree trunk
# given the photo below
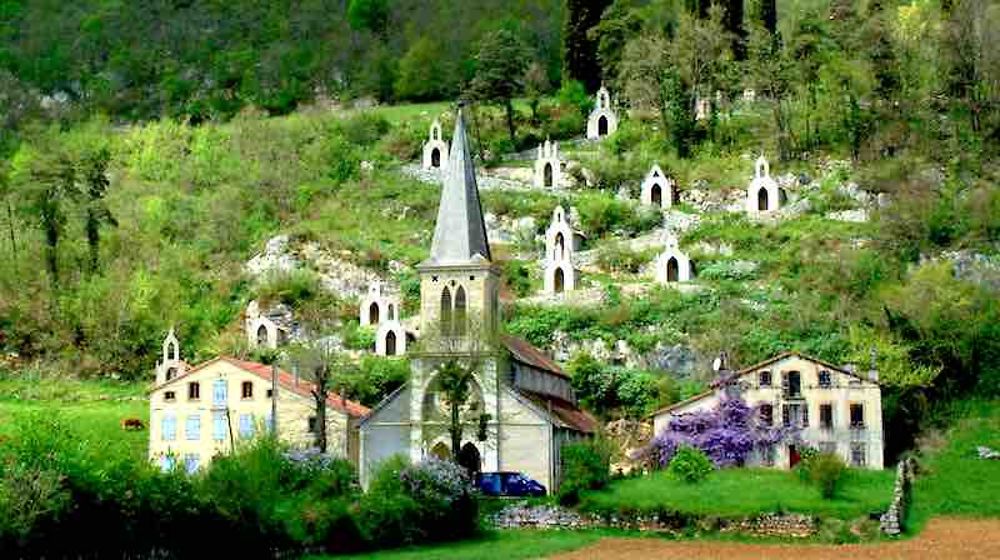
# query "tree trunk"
(509, 106)
(456, 430)
(93, 239)
(10, 225)
(321, 425)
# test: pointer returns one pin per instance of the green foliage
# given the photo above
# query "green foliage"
(618, 257)
(573, 94)
(690, 465)
(613, 389)
(825, 471)
(601, 216)
(290, 288)
(585, 466)
(373, 379)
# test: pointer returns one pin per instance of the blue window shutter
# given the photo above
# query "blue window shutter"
(219, 426)
(193, 428)
(169, 427)
(246, 425)
(219, 392)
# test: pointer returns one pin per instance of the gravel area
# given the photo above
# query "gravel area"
(967, 539)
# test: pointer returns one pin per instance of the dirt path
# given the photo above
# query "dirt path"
(964, 539)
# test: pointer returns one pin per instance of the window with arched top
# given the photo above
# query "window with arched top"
(446, 311)
(673, 270)
(460, 311)
(390, 343)
(547, 175)
(560, 246)
(392, 312)
(373, 313)
(172, 351)
(261, 335)
(762, 199)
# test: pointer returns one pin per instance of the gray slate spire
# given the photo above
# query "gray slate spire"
(460, 233)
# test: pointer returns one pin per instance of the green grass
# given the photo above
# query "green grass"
(745, 492)
(500, 545)
(93, 409)
(954, 481)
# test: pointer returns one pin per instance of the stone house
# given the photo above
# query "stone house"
(521, 409)
(199, 412)
(838, 410)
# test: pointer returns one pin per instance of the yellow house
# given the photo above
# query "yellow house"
(196, 413)
(839, 411)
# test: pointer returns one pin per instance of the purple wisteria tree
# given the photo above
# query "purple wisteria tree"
(727, 434)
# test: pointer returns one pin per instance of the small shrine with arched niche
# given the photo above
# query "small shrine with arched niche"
(548, 168)
(435, 148)
(561, 243)
(379, 305)
(391, 338)
(602, 120)
(170, 365)
(764, 194)
(269, 328)
(659, 190)
(672, 265)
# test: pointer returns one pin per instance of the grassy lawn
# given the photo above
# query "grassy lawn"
(94, 409)
(500, 545)
(954, 480)
(744, 492)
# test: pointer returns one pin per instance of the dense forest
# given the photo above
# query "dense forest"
(149, 148)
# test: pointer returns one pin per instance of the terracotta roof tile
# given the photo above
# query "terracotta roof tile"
(524, 352)
(564, 414)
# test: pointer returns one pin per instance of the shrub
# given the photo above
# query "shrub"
(690, 465)
(618, 257)
(825, 470)
(357, 337)
(585, 466)
(432, 500)
(291, 288)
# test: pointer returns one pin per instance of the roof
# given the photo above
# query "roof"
(522, 351)
(561, 413)
(285, 380)
(724, 380)
(460, 231)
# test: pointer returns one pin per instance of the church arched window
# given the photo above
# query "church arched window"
(446, 311)
(460, 311)
(262, 336)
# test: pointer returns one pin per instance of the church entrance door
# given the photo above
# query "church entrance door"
(470, 459)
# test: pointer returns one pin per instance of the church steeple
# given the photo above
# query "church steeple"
(460, 233)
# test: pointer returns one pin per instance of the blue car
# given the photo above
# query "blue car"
(512, 484)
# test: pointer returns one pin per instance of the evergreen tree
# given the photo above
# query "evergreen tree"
(500, 69)
(579, 50)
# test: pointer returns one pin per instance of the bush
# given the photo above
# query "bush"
(690, 465)
(585, 466)
(430, 501)
(825, 470)
(618, 257)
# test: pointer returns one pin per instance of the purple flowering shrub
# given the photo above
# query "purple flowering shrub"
(727, 435)
(431, 500)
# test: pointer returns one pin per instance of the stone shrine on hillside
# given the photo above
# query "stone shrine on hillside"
(435, 149)
(548, 168)
(561, 243)
(268, 328)
(659, 190)
(763, 195)
(672, 265)
(379, 304)
(602, 120)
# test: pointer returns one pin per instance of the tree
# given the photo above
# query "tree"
(973, 63)
(619, 24)
(423, 73)
(500, 68)
(96, 183)
(536, 84)
(579, 49)
(766, 14)
(372, 15)
(769, 70)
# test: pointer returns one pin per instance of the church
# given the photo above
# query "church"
(521, 408)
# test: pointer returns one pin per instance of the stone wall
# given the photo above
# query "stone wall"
(892, 520)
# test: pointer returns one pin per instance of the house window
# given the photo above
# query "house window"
(192, 428)
(826, 416)
(824, 379)
(169, 427)
(219, 426)
(169, 396)
(795, 415)
(828, 447)
(270, 393)
(767, 414)
(269, 422)
(219, 395)
(786, 415)
(859, 455)
(191, 461)
(171, 373)
(792, 381)
(194, 391)
(764, 379)
(167, 463)
(313, 425)
(858, 416)
(246, 390)
(768, 455)
(804, 415)
(246, 426)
